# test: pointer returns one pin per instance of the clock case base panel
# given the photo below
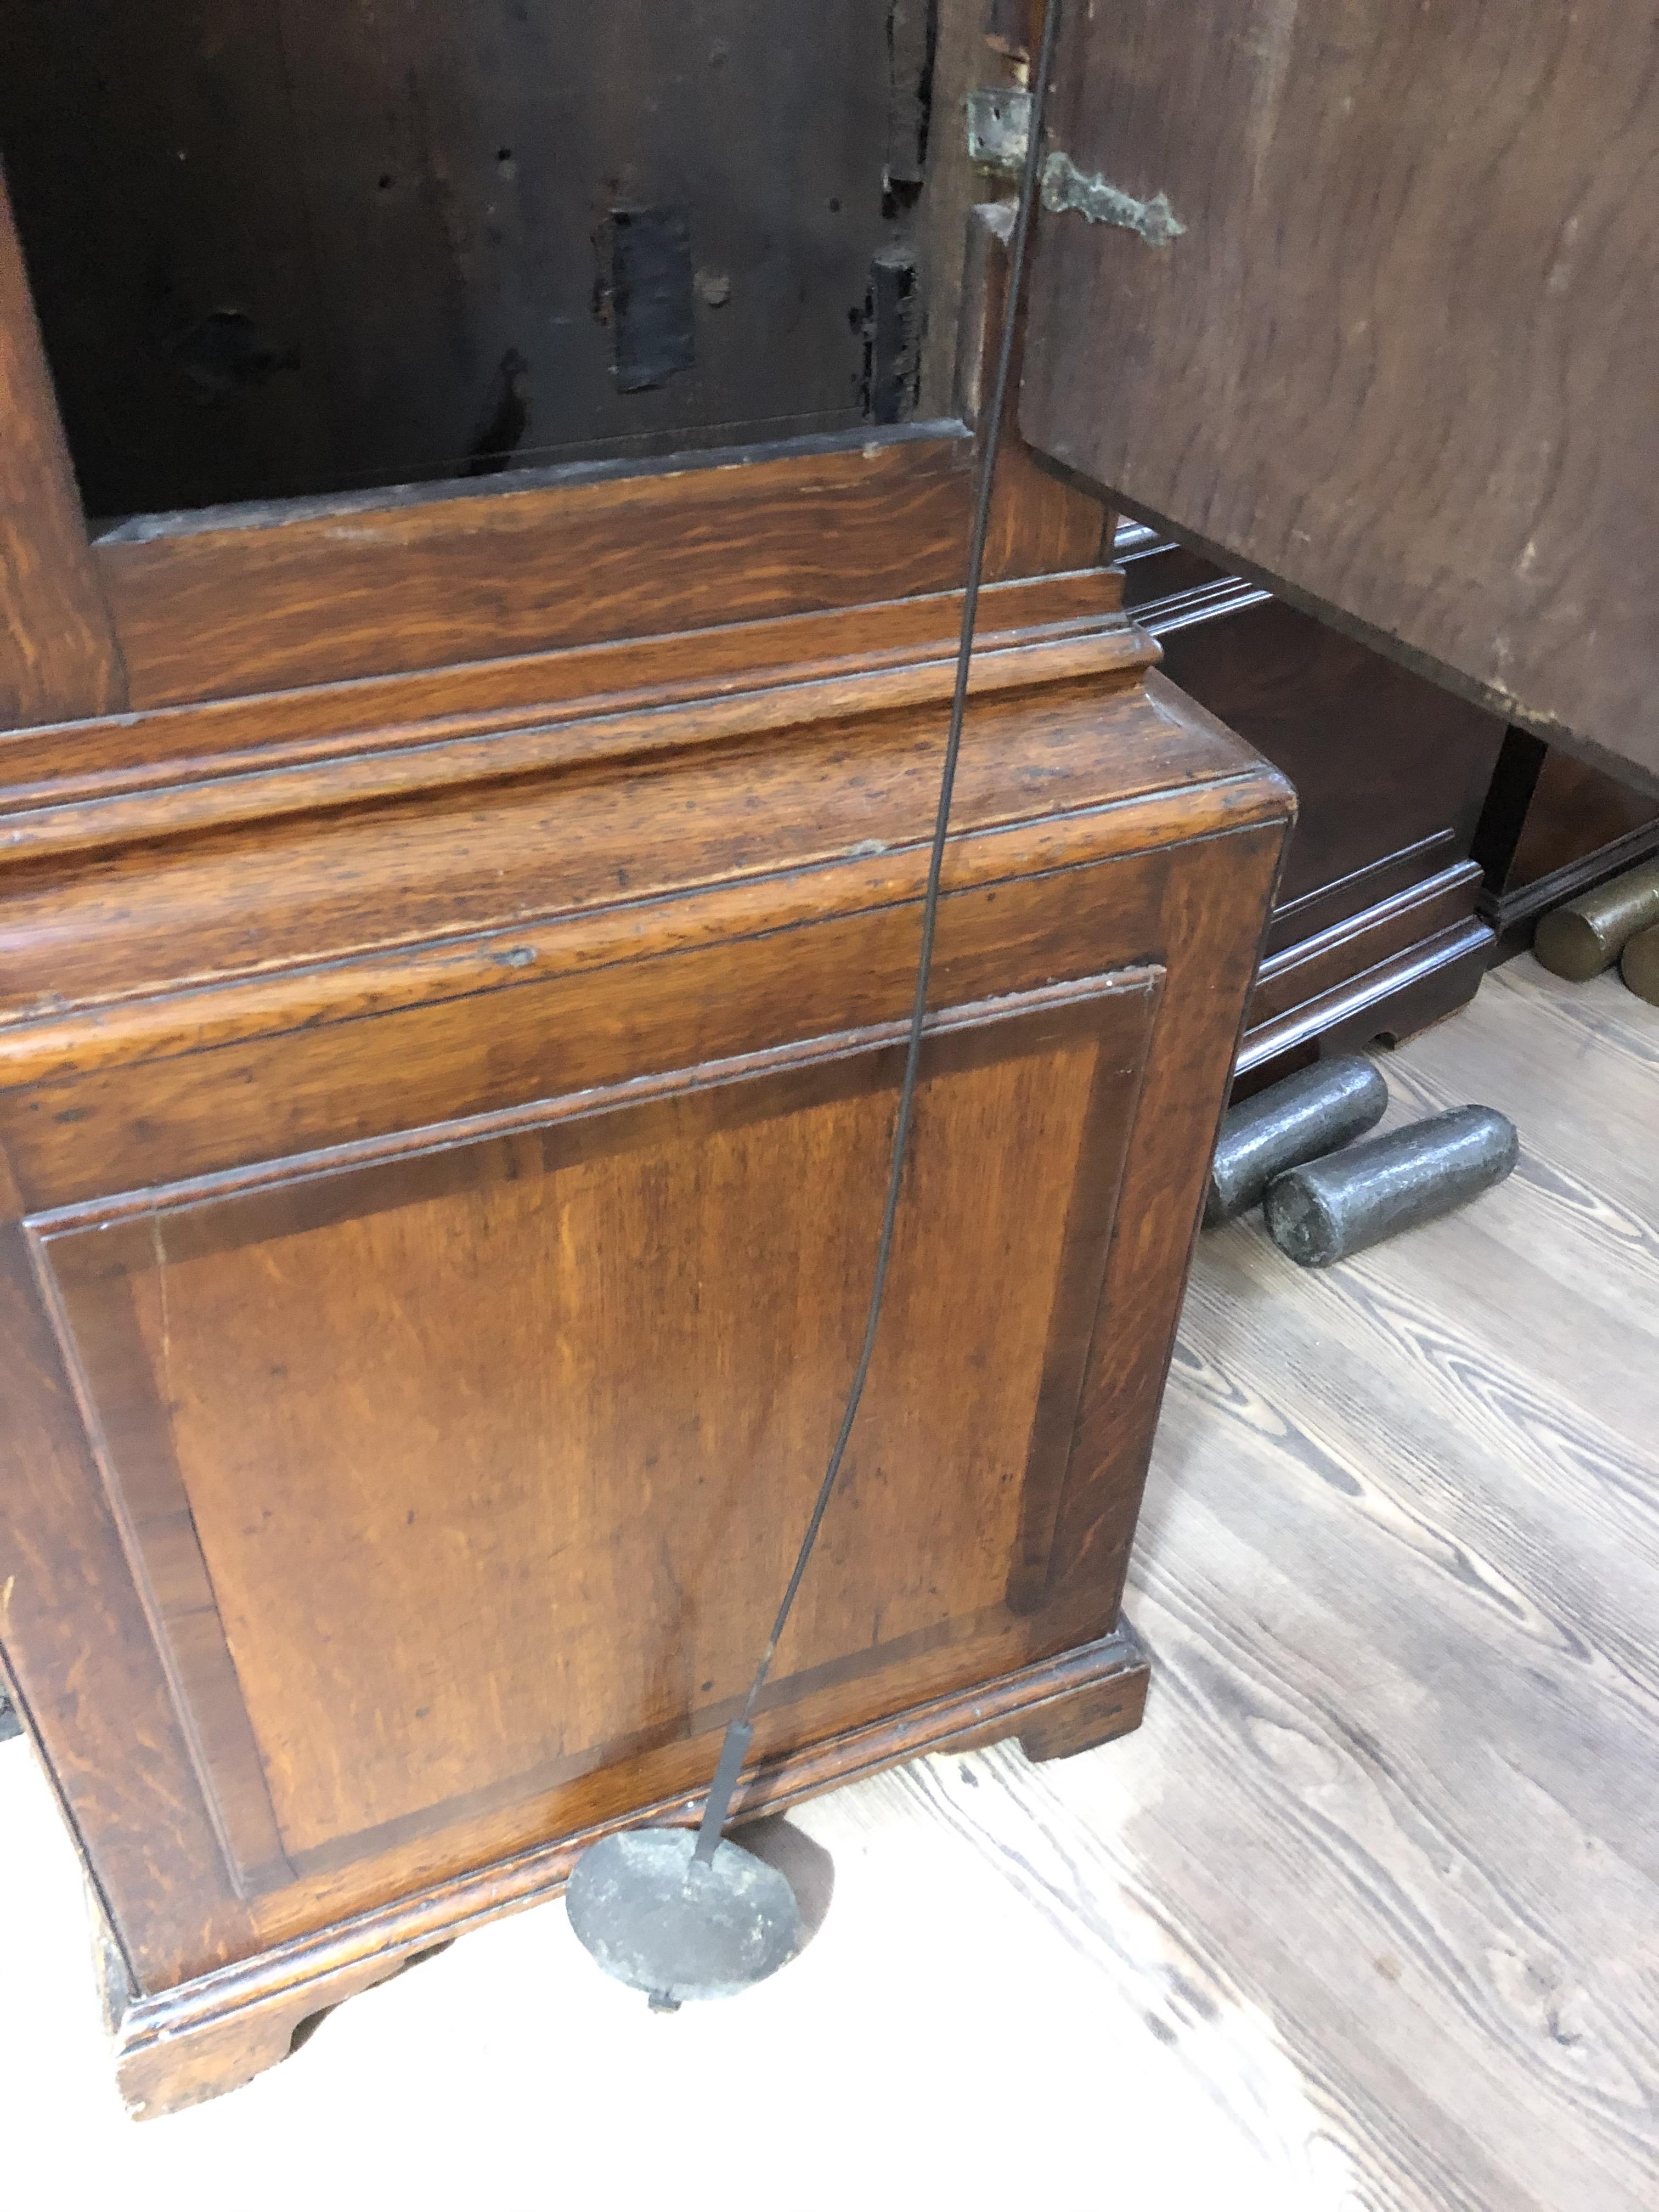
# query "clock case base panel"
(1552, 829)
(332, 969)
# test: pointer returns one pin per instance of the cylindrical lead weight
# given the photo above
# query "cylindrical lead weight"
(1640, 966)
(1580, 939)
(1332, 1208)
(1308, 1113)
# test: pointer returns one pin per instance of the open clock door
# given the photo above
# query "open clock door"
(1364, 299)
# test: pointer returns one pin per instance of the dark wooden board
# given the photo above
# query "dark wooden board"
(1554, 828)
(1575, 813)
(1390, 771)
(290, 248)
(1399, 359)
(1374, 932)
(154, 162)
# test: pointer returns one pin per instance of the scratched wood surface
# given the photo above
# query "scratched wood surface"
(1364, 1918)
(1395, 358)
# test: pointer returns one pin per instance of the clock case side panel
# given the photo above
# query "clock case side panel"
(98, 1117)
(59, 656)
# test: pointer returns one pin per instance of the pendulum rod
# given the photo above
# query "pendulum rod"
(735, 1748)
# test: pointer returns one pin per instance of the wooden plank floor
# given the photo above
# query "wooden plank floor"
(1366, 1916)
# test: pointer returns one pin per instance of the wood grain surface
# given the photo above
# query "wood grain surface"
(1389, 770)
(58, 657)
(1398, 359)
(1577, 811)
(1037, 521)
(1374, 931)
(612, 1039)
(660, 1582)
(167, 745)
(220, 601)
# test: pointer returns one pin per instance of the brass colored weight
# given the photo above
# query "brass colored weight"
(1640, 967)
(1580, 938)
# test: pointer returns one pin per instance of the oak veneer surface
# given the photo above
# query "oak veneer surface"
(612, 1035)
(437, 719)
(219, 601)
(216, 602)
(58, 657)
(669, 1296)
(1363, 1917)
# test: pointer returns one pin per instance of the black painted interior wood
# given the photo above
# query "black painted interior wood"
(286, 246)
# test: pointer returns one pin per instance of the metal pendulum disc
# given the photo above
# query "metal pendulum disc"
(664, 1921)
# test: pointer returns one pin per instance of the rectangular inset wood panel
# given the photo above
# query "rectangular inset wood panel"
(495, 1454)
